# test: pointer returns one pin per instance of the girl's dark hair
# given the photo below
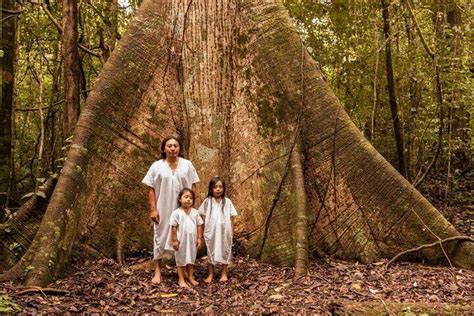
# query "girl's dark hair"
(163, 145)
(184, 191)
(210, 191)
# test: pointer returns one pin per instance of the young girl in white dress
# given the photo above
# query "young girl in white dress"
(186, 233)
(219, 213)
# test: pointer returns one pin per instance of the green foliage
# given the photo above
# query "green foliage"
(7, 305)
(346, 38)
(38, 140)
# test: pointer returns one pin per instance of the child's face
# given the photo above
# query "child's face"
(218, 189)
(186, 200)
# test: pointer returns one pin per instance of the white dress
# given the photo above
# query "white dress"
(167, 183)
(187, 235)
(218, 229)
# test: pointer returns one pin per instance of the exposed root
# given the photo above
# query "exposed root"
(120, 242)
(436, 243)
(301, 222)
(143, 266)
(90, 251)
(43, 290)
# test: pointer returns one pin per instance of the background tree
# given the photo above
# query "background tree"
(8, 55)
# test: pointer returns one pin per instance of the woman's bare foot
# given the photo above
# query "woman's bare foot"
(183, 284)
(156, 278)
(223, 278)
(209, 278)
(193, 281)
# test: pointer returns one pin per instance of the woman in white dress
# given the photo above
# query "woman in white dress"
(219, 213)
(165, 179)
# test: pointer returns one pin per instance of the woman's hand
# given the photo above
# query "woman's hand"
(154, 216)
(175, 245)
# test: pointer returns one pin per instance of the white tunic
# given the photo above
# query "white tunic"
(187, 235)
(167, 183)
(218, 229)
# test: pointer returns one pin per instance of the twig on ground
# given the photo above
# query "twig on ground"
(436, 243)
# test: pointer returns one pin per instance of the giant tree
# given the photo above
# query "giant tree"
(235, 82)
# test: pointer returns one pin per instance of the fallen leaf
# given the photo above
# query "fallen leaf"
(166, 295)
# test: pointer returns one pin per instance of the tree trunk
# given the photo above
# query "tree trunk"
(301, 213)
(8, 48)
(72, 70)
(227, 77)
(111, 21)
(392, 99)
(460, 125)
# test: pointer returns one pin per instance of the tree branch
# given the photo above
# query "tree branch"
(60, 31)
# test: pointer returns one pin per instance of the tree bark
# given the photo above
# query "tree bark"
(226, 76)
(392, 99)
(460, 125)
(301, 212)
(8, 47)
(72, 70)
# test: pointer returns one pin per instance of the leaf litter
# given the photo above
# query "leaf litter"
(254, 287)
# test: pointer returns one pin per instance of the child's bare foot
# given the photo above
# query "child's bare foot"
(193, 281)
(209, 278)
(156, 278)
(183, 284)
(223, 278)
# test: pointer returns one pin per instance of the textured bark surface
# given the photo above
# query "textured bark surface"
(228, 78)
(301, 212)
(72, 68)
(392, 98)
(8, 47)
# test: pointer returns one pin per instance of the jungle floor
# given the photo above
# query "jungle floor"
(332, 286)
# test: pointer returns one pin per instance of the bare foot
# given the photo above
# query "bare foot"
(223, 278)
(208, 280)
(193, 281)
(183, 284)
(156, 278)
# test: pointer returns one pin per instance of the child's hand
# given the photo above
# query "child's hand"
(175, 245)
(198, 242)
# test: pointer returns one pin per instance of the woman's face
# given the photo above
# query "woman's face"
(172, 148)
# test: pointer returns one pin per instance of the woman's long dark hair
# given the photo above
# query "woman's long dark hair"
(210, 192)
(163, 145)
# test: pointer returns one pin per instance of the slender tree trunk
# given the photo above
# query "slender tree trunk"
(301, 212)
(397, 131)
(8, 46)
(227, 75)
(72, 72)
(111, 21)
(461, 117)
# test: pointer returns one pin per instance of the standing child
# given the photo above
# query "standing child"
(186, 233)
(218, 212)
